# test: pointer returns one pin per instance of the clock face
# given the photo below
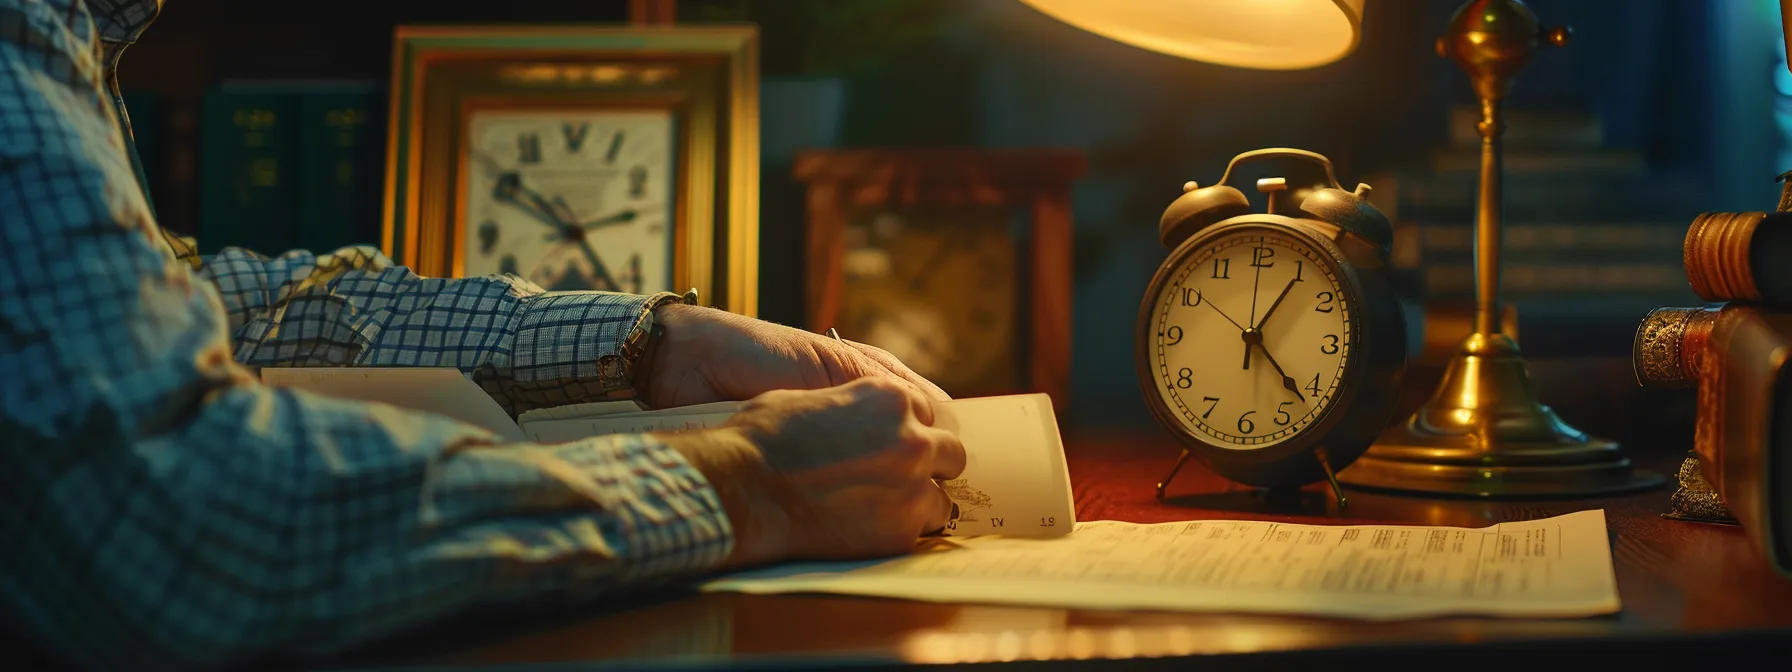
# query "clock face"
(1251, 334)
(938, 290)
(570, 199)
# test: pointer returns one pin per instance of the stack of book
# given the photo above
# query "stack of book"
(1733, 350)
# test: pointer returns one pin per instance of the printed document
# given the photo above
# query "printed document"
(1555, 567)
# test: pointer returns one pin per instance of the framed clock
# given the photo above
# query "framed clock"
(958, 261)
(610, 158)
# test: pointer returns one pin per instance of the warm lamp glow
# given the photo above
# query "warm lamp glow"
(1262, 34)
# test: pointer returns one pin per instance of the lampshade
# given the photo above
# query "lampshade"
(1261, 34)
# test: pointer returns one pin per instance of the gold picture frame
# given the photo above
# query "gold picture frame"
(706, 77)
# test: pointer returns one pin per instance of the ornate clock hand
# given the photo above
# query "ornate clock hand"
(622, 217)
(1255, 338)
(597, 267)
(509, 185)
(1272, 306)
(1254, 279)
(1224, 315)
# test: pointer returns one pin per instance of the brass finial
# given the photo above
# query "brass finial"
(1492, 40)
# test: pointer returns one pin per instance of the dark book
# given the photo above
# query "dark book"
(338, 173)
(247, 152)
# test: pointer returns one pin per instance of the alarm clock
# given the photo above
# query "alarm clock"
(1271, 344)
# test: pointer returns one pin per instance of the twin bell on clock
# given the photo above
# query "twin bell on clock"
(1271, 344)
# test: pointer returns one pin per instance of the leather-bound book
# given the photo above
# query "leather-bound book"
(1743, 435)
(1740, 256)
(1669, 347)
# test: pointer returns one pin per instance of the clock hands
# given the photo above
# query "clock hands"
(1278, 302)
(1254, 336)
(1223, 314)
(622, 217)
(510, 185)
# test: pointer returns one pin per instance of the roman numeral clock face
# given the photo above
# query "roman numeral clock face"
(570, 199)
(1252, 333)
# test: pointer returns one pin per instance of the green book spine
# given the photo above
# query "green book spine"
(247, 153)
(338, 180)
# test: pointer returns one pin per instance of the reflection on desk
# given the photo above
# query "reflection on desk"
(1680, 583)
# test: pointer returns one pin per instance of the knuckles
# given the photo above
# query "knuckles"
(882, 395)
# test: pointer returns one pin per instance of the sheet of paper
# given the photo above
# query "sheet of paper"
(617, 409)
(1555, 567)
(443, 391)
(573, 429)
(1015, 481)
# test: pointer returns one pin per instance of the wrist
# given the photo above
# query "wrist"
(750, 493)
(649, 344)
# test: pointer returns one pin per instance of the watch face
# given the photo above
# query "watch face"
(1251, 332)
(570, 199)
(937, 288)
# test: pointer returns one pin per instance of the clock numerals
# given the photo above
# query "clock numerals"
(1222, 268)
(1313, 387)
(575, 135)
(637, 182)
(615, 147)
(1245, 426)
(1175, 335)
(1211, 402)
(1325, 302)
(528, 148)
(1185, 378)
(1191, 297)
(1331, 345)
(1299, 265)
(1282, 415)
(1261, 255)
(488, 237)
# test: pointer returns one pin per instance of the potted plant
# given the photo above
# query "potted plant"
(810, 49)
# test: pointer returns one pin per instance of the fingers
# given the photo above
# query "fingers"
(898, 394)
(949, 458)
(939, 510)
(941, 449)
(883, 359)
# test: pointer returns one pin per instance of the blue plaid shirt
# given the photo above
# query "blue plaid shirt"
(161, 507)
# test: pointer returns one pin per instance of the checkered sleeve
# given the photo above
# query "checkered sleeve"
(163, 509)
(354, 307)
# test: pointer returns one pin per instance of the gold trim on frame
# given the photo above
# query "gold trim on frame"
(716, 114)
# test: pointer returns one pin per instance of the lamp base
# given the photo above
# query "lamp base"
(1484, 434)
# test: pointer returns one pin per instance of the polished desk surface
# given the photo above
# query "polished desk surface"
(1682, 584)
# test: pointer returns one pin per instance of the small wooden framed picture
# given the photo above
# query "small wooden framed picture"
(958, 261)
(578, 157)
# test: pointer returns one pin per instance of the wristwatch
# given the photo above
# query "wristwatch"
(643, 340)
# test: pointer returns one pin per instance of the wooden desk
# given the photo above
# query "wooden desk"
(1684, 586)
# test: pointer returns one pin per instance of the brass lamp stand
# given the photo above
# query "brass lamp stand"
(1484, 433)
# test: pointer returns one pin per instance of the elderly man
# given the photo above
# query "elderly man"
(164, 508)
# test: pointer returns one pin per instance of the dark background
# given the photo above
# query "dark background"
(1687, 85)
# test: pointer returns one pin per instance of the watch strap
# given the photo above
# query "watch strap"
(642, 341)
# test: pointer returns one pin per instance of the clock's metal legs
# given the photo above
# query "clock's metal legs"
(1326, 464)
(1183, 459)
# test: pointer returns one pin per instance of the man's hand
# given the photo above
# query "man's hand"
(839, 473)
(713, 355)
